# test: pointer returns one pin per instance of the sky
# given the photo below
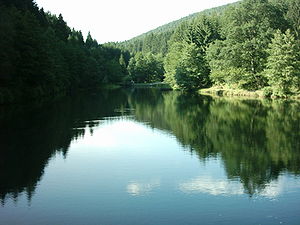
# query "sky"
(119, 20)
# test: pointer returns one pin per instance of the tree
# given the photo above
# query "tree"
(203, 31)
(223, 64)
(90, 42)
(187, 70)
(248, 30)
(171, 63)
(283, 64)
(293, 16)
(61, 28)
(8, 55)
(146, 68)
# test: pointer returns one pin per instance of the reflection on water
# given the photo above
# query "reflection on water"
(256, 140)
(30, 136)
(94, 151)
(136, 188)
(213, 186)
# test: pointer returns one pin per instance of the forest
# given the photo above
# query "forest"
(41, 56)
(250, 45)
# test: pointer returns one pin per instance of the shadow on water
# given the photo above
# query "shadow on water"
(256, 140)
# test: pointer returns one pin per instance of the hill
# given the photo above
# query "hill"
(156, 41)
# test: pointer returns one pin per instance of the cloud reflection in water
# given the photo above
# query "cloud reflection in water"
(137, 188)
(213, 186)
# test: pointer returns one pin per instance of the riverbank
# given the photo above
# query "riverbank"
(228, 92)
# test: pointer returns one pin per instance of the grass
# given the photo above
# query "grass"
(231, 92)
(225, 91)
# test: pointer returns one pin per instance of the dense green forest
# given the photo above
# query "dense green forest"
(156, 41)
(41, 56)
(251, 45)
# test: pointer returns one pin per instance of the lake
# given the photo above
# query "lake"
(150, 157)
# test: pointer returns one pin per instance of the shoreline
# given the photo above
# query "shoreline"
(159, 85)
(227, 92)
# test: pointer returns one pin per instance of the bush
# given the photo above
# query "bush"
(267, 92)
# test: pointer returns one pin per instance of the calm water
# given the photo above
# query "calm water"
(149, 157)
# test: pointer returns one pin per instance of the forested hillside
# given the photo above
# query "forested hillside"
(41, 56)
(149, 50)
(251, 45)
(156, 41)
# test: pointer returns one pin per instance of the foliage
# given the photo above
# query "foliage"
(157, 41)
(42, 56)
(283, 64)
(146, 68)
(241, 56)
(240, 59)
(187, 70)
(222, 60)
(233, 46)
(293, 16)
(229, 45)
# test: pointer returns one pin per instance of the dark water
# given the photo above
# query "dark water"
(150, 157)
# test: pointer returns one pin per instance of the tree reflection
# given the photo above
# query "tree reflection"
(257, 140)
(31, 135)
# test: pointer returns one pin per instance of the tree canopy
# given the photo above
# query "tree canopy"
(251, 44)
(231, 46)
(42, 56)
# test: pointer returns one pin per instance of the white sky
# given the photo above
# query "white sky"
(119, 20)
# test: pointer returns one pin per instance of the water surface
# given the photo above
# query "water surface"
(150, 157)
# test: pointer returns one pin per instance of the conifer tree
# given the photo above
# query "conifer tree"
(61, 29)
(90, 42)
